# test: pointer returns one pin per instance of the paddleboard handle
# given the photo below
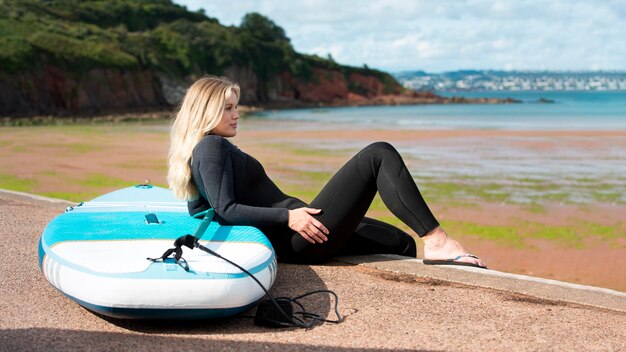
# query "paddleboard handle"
(187, 241)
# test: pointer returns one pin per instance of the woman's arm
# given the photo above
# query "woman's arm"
(215, 161)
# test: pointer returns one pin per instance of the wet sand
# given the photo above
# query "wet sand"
(543, 178)
(509, 181)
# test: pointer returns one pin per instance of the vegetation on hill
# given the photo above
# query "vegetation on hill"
(155, 35)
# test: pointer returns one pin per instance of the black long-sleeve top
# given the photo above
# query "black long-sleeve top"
(236, 186)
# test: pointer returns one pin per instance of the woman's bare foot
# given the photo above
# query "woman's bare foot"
(439, 246)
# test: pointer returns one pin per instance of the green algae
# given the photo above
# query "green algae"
(15, 183)
(97, 180)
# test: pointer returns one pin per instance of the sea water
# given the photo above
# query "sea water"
(567, 110)
(526, 168)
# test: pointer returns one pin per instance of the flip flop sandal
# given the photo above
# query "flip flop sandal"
(453, 261)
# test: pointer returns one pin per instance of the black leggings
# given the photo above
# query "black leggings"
(345, 199)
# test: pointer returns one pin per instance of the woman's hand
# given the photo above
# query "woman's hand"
(301, 221)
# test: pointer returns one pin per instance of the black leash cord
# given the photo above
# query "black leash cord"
(312, 315)
(294, 320)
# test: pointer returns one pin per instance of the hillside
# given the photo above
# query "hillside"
(84, 57)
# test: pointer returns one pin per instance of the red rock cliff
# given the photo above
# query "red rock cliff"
(52, 90)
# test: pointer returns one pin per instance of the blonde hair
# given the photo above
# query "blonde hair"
(200, 111)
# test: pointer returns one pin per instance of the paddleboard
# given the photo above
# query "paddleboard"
(96, 254)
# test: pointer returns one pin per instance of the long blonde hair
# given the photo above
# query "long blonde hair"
(200, 111)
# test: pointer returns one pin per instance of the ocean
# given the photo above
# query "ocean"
(570, 110)
(520, 168)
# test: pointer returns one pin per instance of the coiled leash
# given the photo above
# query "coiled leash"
(273, 312)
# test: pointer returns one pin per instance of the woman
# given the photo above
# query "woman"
(208, 171)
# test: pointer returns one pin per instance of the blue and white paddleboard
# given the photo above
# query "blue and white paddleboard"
(96, 254)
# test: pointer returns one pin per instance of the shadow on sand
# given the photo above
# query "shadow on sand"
(292, 281)
(48, 339)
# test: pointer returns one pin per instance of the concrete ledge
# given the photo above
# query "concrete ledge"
(527, 285)
(33, 197)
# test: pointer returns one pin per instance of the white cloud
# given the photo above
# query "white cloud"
(447, 34)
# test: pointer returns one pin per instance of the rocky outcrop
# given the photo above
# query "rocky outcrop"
(325, 86)
(173, 89)
(54, 91)
(367, 86)
(247, 80)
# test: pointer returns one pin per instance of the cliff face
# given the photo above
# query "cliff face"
(325, 86)
(52, 90)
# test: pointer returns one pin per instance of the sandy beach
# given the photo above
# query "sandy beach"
(514, 131)
(506, 194)
(384, 311)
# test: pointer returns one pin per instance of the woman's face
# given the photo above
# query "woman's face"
(228, 124)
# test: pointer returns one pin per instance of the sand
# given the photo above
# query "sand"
(384, 311)
(84, 161)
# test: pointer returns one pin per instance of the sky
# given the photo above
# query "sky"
(446, 35)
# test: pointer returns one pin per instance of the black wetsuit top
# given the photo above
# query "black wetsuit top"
(236, 186)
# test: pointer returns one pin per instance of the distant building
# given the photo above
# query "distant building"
(513, 80)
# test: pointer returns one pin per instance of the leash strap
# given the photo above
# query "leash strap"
(188, 240)
(273, 312)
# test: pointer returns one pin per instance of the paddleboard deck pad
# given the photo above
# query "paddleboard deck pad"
(96, 253)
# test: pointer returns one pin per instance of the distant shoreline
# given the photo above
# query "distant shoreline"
(156, 114)
(419, 98)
